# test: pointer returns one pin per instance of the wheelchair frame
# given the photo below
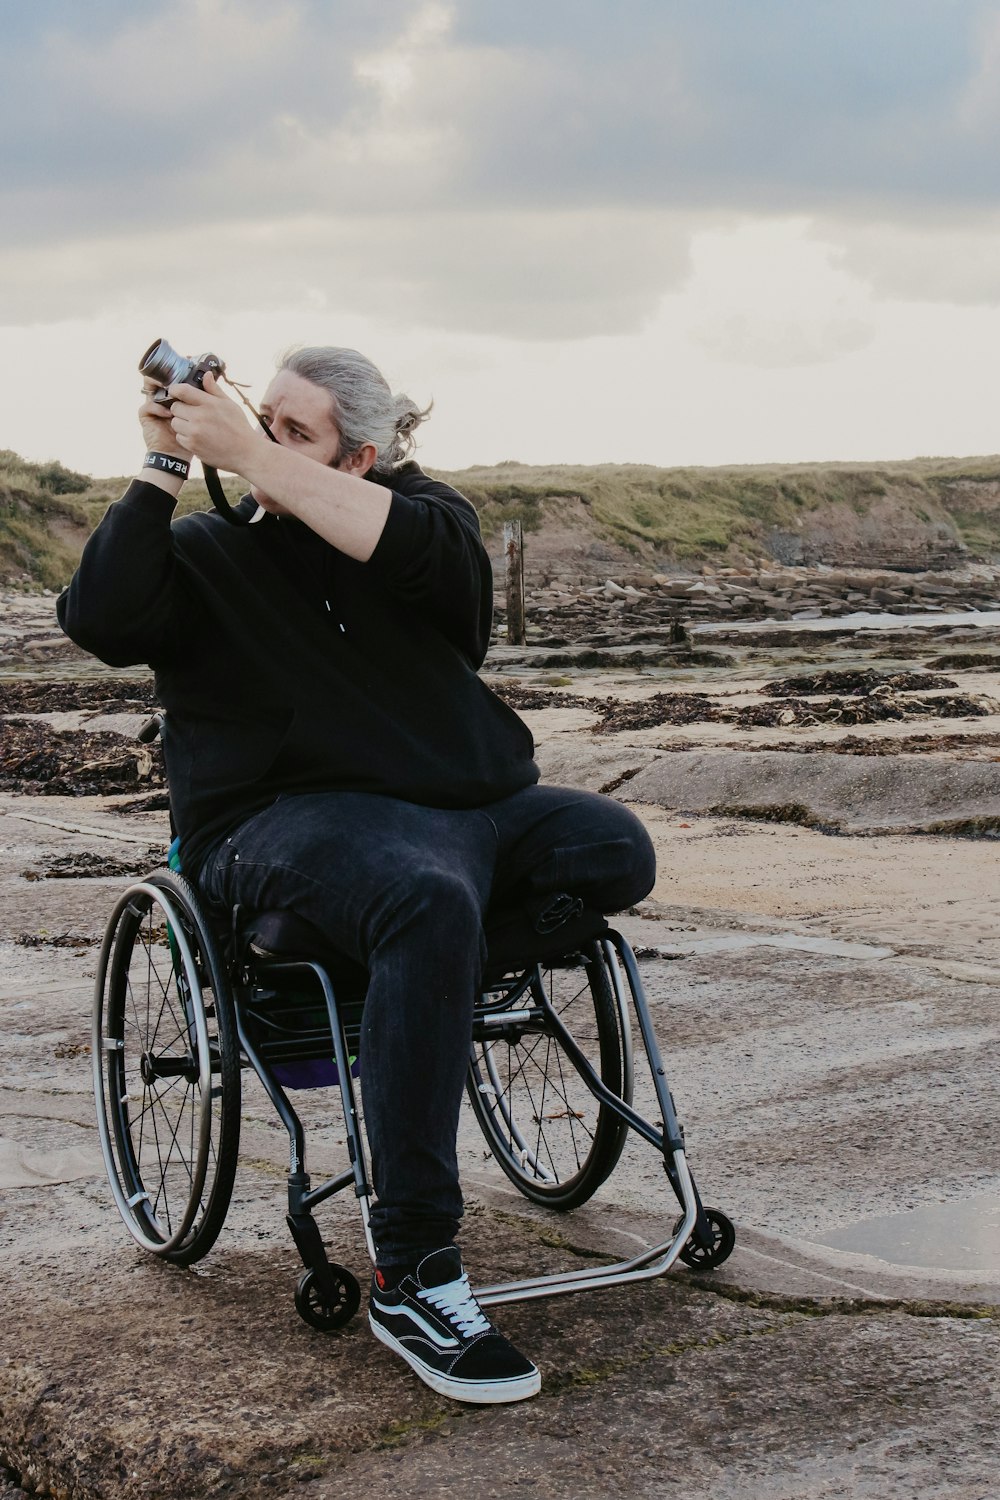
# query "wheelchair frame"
(328, 1295)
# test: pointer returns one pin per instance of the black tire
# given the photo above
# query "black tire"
(330, 1307)
(166, 1069)
(707, 1257)
(551, 1135)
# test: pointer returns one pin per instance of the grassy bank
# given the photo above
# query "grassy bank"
(697, 513)
(943, 506)
(47, 512)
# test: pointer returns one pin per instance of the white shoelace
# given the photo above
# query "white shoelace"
(456, 1300)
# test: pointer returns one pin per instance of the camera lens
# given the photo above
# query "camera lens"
(164, 365)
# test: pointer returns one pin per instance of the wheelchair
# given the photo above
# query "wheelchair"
(186, 1000)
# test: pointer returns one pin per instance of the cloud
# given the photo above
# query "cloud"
(979, 103)
(766, 294)
(209, 109)
(939, 258)
(532, 170)
(534, 275)
(775, 107)
(181, 113)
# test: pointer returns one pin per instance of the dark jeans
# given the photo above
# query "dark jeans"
(403, 889)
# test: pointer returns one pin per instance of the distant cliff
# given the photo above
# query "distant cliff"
(929, 513)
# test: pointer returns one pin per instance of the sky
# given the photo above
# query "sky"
(649, 231)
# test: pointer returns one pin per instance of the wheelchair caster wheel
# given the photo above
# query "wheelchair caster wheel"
(707, 1257)
(331, 1308)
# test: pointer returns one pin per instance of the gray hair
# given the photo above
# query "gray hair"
(364, 408)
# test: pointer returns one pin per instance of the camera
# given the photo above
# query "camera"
(163, 364)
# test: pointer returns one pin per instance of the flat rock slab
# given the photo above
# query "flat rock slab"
(132, 1379)
(852, 794)
(23, 1166)
(829, 1408)
(811, 1083)
(827, 1078)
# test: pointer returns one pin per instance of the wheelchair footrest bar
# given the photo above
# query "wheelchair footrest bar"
(645, 1267)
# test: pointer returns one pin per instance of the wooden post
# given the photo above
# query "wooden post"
(513, 549)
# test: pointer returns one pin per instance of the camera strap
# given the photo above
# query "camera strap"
(217, 495)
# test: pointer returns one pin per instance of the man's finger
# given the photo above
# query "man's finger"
(179, 435)
(153, 408)
(187, 395)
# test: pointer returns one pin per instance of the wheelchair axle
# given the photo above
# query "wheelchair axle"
(152, 1067)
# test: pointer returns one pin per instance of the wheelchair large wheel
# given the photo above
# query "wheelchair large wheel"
(166, 1070)
(551, 1135)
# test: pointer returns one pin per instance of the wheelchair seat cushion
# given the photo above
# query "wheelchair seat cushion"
(282, 934)
(512, 940)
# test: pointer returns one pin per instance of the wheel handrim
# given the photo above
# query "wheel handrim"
(138, 1060)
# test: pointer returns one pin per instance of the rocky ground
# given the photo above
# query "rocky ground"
(643, 597)
(822, 956)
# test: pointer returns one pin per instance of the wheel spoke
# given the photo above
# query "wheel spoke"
(550, 1132)
(570, 1112)
(155, 1098)
(560, 1089)
(540, 1114)
(168, 1004)
(144, 1031)
(532, 1114)
(174, 1130)
(159, 1157)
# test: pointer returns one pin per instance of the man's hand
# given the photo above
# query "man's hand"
(209, 424)
(157, 433)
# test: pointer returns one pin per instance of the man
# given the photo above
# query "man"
(331, 751)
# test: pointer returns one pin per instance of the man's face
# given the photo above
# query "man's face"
(300, 416)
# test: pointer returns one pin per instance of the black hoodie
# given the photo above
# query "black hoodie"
(285, 666)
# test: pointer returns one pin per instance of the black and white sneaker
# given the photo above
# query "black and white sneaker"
(433, 1320)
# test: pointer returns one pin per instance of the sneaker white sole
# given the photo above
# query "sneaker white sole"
(475, 1392)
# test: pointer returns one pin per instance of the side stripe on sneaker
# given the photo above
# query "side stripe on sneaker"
(443, 1341)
